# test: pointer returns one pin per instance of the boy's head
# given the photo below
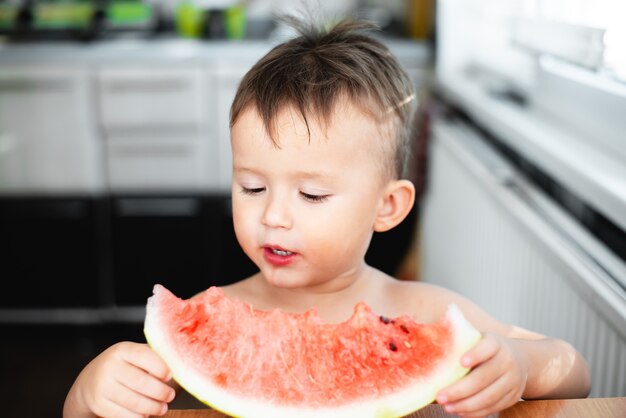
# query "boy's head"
(314, 71)
(317, 132)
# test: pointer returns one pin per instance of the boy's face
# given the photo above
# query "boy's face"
(304, 211)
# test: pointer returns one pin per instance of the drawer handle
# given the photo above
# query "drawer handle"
(27, 85)
(157, 207)
(146, 86)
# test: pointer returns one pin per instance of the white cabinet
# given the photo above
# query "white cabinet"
(142, 95)
(156, 122)
(48, 136)
(140, 117)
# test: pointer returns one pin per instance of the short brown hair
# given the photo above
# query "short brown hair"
(312, 71)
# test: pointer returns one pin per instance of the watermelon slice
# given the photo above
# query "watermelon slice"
(252, 363)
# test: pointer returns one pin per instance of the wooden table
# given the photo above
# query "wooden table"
(571, 408)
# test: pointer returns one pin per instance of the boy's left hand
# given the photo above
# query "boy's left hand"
(496, 381)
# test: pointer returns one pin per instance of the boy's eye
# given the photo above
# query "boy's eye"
(252, 190)
(314, 198)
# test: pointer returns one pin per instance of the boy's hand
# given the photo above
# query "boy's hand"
(128, 380)
(496, 381)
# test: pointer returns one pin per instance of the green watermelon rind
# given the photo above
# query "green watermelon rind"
(415, 396)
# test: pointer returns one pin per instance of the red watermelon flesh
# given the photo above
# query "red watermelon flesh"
(247, 362)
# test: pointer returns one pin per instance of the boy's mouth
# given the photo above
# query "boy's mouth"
(280, 252)
(278, 256)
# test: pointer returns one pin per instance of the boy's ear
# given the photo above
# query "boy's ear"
(398, 200)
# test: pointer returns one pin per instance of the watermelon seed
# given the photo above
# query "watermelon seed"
(384, 319)
(405, 329)
(407, 344)
(392, 346)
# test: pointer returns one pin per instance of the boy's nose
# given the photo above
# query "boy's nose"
(277, 213)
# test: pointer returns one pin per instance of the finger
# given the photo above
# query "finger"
(141, 355)
(477, 380)
(136, 402)
(146, 384)
(486, 348)
(479, 377)
(485, 399)
(506, 401)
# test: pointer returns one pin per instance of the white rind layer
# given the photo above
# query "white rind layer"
(398, 404)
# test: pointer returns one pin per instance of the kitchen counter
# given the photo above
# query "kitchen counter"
(172, 49)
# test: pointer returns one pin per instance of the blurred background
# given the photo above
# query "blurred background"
(115, 167)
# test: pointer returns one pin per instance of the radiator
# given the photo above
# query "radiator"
(490, 235)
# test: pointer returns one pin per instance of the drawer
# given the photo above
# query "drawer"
(185, 242)
(49, 250)
(155, 96)
(160, 164)
(48, 131)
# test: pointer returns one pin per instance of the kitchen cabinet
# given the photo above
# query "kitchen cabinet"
(137, 95)
(115, 173)
(51, 253)
(156, 128)
(50, 170)
(128, 116)
(186, 243)
(48, 137)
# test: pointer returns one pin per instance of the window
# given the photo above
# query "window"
(609, 15)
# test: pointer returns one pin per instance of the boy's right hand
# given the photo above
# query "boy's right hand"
(127, 380)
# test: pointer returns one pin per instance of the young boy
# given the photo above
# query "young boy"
(320, 135)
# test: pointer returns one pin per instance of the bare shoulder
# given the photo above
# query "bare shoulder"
(425, 301)
(429, 302)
